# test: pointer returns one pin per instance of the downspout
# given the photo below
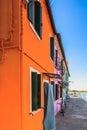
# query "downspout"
(2, 51)
(4, 25)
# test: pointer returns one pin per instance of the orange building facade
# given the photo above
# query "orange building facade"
(24, 54)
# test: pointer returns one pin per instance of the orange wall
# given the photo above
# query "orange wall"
(10, 109)
(39, 51)
(28, 121)
(15, 71)
(10, 89)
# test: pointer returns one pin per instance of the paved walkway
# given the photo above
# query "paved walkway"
(75, 117)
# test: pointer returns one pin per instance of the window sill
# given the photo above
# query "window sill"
(32, 27)
(34, 112)
(51, 60)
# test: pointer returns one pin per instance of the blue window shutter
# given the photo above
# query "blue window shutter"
(34, 90)
(30, 10)
(52, 48)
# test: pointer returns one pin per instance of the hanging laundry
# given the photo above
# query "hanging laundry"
(49, 117)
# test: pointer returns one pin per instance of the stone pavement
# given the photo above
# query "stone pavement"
(75, 116)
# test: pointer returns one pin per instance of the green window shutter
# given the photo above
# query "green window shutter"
(56, 57)
(40, 22)
(30, 10)
(52, 48)
(38, 18)
(34, 90)
(62, 67)
(66, 76)
(39, 90)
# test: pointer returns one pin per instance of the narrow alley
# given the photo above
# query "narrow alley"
(75, 117)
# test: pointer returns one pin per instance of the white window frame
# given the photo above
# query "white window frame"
(33, 29)
(32, 70)
(45, 81)
(32, 26)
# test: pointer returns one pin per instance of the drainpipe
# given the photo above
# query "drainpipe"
(4, 25)
(4, 19)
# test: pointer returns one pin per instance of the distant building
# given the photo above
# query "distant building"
(61, 68)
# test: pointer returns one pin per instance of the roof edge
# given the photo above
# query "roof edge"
(51, 15)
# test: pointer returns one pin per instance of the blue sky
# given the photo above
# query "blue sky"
(70, 18)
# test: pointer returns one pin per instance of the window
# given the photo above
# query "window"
(35, 90)
(52, 82)
(56, 58)
(52, 48)
(60, 92)
(66, 76)
(35, 16)
(56, 91)
(62, 68)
